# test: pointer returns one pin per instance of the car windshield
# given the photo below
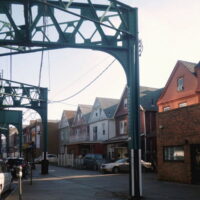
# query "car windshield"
(121, 161)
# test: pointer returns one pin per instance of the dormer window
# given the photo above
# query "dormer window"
(180, 84)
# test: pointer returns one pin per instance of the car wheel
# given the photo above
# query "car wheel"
(115, 170)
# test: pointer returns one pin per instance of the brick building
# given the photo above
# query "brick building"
(178, 144)
(178, 128)
(182, 87)
(34, 133)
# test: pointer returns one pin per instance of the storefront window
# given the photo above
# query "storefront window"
(174, 153)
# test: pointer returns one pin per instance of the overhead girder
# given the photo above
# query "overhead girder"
(111, 27)
(16, 94)
(107, 24)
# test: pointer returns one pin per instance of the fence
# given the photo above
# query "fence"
(68, 160)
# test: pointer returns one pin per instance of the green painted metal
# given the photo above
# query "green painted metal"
(11, 117)
(103, 33)
(16, 94)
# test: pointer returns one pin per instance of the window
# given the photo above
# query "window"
(123, 127)
(95, 133)
(125, 102)
(79, 116)
(166, 108)
(182, 105)
(174, 153)
(103, 128)
(180, 84)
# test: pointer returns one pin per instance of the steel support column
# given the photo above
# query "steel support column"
(133, 112)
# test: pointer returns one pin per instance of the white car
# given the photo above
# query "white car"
(121, 165)
(5, 178)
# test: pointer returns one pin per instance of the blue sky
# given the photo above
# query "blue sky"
(169, 30)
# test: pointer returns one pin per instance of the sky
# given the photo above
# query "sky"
(169, 31)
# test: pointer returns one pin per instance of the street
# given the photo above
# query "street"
(72, 184)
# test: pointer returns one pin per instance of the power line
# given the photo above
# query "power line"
(82, 75)
(85, 87)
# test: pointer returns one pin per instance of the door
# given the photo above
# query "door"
(195, 163)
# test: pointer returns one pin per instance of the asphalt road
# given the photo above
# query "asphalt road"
(72, 184)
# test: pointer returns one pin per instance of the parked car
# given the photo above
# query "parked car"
(52, 158)
(14, 163)
(93, 161)
(5, 178)
(121, 165)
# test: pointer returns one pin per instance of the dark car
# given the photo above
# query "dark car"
(14, 163)
(93, 161)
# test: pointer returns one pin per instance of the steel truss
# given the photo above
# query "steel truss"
(111, 27)
(15, 94)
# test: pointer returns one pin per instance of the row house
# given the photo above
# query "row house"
(33, 134)
(178, 127)
(117, 146)
(92, 125)
(103, 127)
(65, 129)
(79, 136)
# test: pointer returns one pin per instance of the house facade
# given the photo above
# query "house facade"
(182, 88)
(117, 146)
(101, 122)
(79, 143)
(33, 133)
(178, 136)
(65, 130)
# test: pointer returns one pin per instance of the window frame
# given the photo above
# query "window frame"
(125, 103)
(181, 105)
(180, 84)
(166, 108)
(173, 148)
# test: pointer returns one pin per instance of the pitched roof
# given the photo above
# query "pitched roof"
(67, 117)
(107, 102)
(85, 108)
(69, 113)
(110, 111)
(189, 65)
(149, 97)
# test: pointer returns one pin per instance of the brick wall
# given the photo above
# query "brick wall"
(177, 127)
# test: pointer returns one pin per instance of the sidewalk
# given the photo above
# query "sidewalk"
(71, 184)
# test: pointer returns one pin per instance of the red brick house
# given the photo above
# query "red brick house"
(182, 87)
(117, 146)
(34, 133)
(178, 127)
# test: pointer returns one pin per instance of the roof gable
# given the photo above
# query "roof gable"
(82, 115)
(182, 69)
(148, 99)
(103, 108)
(65, 119)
